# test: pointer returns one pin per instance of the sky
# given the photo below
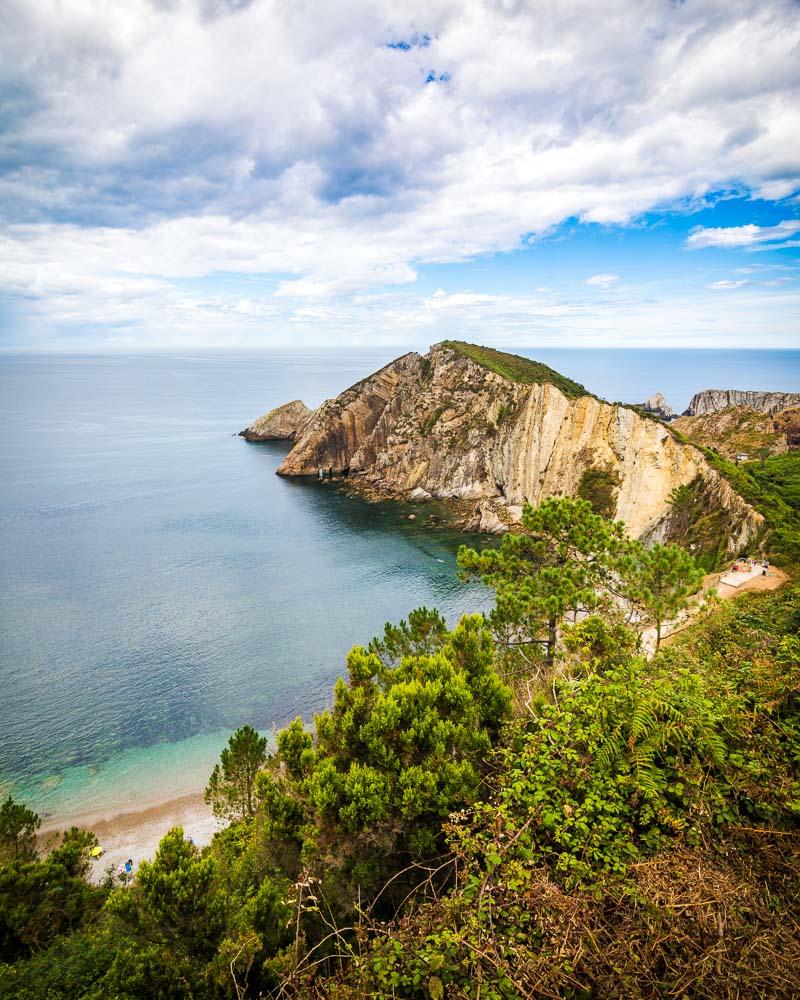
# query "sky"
(191, 174)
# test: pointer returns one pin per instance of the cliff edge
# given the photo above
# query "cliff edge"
(469, 423)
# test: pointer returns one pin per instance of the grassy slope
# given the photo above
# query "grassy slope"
(516, 368)
(737, 429)
(771, 489)
(781, 474)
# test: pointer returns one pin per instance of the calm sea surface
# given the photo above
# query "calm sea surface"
(159, 585)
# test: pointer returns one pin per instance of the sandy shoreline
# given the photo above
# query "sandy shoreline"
(136, 834)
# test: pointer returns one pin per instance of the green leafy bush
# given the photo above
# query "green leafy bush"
(402, 746)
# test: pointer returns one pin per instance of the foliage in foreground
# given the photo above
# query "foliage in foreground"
(632, 830)
(569, 561)
(641, 838)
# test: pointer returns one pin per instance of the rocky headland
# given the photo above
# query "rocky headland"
(714, 400)
(472, 424)
(284, 423)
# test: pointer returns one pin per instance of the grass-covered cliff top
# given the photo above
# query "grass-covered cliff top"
(516, 368)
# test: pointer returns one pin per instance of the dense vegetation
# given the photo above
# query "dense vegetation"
(516, 368)
(599, 487)
(779, 474)
(525, 805)
(771, 487)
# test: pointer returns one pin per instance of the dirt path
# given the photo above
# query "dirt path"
(774, 579)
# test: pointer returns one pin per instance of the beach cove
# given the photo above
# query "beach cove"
(161, 586)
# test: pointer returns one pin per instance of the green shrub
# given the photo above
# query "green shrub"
(599, 487)
(427, 425)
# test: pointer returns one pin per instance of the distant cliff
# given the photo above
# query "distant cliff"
(470, 423)
(714, 400)
(736, 430)
(281, 424)
(657, 405)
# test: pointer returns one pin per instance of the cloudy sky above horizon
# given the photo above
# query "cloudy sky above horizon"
(224, 173)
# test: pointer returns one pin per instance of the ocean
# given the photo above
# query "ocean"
(160, 586)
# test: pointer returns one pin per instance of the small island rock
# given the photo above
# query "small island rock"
(284, 423)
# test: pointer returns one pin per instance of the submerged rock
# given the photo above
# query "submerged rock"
(281, 424)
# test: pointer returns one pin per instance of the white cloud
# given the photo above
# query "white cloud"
(152, 143)
(441, 300)
(370, 277)
(603, 280)
(749, 236)
(727, 283)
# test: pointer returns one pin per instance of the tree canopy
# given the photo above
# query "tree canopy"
(435, 834)
(232, 782)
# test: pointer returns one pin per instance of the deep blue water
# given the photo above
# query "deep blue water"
(159, 585)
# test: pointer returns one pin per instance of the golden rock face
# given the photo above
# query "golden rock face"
(444, 425)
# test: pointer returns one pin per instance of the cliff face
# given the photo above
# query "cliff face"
(448, 427)
(714, 400)
(736, 430)
(787, 423)
(281, 424)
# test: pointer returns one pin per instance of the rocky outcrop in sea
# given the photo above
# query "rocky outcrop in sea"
(284, 423)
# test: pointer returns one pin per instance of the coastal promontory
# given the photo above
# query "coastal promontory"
(281, 424)
(714, 400)
(470, 423)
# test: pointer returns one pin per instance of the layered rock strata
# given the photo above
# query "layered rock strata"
(714, 400)
(445, 426)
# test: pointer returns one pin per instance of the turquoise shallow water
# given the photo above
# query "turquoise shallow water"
(159, 585)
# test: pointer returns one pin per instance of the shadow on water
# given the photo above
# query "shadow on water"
(431, 526)
(194, 610)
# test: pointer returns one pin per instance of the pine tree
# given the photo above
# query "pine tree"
(232, 783)
(659, 579)
(556, 568)
(18, 826)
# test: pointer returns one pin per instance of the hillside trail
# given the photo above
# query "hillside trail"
(742, 583)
